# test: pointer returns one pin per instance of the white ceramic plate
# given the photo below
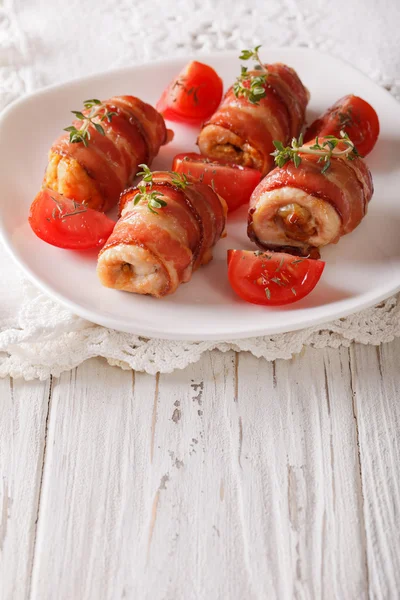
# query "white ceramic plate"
(361, 270)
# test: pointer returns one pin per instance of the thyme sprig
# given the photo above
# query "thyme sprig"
(325, 150)
(146, 174)
(180, 180)
(248, 84)
(153, 199)
(96, 108)
(191, 91)
(248, 54)
(57, 211)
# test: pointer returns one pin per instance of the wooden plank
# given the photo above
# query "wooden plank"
(376, 387)
(196, 546)
(298, 474)
(23, 413)
(235, 478)
(95, 483)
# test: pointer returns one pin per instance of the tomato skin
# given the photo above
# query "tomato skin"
(233, 183)
(193, 96)
(87, 229)
(272, 278)
(354, 116)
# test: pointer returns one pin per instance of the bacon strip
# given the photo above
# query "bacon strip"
(242, 133)
(154, 253)
(97, 174)
(299, 210)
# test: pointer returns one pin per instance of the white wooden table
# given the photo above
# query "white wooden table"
(233, 479)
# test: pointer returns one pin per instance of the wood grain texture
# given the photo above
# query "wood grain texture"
(300, 478)
(235, 478)
(94, 481)
(23, 414)
(376, 388)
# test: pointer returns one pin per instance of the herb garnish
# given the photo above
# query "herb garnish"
(153, 199)
(96, 108)
(325, 151)
(250, 85)
(344, 118)
(191, 91)
(263, 254)
(180, 180)
(278, 281)
(147, 175)
(78, 209)
(281, 263)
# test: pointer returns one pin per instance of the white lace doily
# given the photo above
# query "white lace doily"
(54, 41)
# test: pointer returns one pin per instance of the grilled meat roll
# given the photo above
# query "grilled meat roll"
(300, 209)
(96, 174)
(242, 133)
(153, 252)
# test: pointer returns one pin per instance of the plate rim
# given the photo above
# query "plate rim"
(361, 302)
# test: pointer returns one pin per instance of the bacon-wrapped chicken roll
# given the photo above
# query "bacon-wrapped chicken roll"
(299, 209)
(242, 132)
(122, 133)
(167, 229)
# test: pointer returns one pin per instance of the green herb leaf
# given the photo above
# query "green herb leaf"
(146, 173)
(92, 102)
(297, 160)
(78, 209)
(153, 199)
(250, 85)
(281, 263)
(246, 54)
(278, 281)
(179, 180)
(278, 145)
(325, 151)
(97, 110)
(326, 166)
(109, 115)
(99, 128)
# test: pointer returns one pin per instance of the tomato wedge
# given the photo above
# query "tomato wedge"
(233, 183)
(354, 116)
(272, 278)
(193, 96)
(66, 223)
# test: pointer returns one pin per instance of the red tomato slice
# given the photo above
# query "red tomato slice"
(272, 278)
(233, 183)
(68, 224)
(193, 96)
(354, 116)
